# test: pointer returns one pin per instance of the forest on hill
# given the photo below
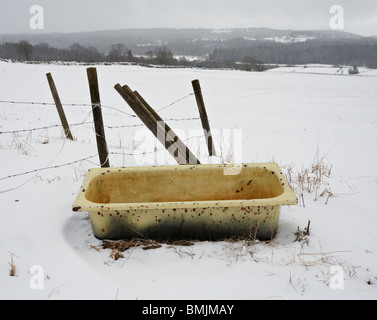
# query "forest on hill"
(249, 49)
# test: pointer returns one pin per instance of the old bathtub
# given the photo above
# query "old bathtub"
(204, 202)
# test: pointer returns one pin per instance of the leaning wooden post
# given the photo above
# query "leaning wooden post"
(97, 116)
(169, 133)
(59, 107)
(203, 116)
(150, 121)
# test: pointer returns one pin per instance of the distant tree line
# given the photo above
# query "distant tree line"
(251, 57)
(23, 50)
(333, 52)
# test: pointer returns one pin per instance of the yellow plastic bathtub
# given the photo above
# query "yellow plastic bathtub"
(204, 202)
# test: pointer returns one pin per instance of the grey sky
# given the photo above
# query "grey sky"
(91, 15)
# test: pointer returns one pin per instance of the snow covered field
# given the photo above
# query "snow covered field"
(293, 118)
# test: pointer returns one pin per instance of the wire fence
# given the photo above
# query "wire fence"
(91, 122)
(86, 122)
(48, 168)
(89, 158)
(13, 102)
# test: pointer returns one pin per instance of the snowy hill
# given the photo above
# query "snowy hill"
(144, 38)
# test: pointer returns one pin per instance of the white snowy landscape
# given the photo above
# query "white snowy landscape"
(312, 120)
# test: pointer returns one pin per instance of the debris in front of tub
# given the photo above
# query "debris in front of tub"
(153, 246)
(118, 247)
(181, 243)
(303, 236)
(124, 245)
(116, 254)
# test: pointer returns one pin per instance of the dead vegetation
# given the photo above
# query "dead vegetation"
(239, 248)
(302, 236)
(119, 247)
(23, 146)
(12, 271)
(311, 180)
(236, 247)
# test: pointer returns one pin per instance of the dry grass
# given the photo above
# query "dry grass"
(311, 180)
(236, 247)
(23, 146)
(119, 247)
(303, 236)
(12, 271)
(44, 137)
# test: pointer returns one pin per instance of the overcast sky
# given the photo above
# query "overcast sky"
(360, 16)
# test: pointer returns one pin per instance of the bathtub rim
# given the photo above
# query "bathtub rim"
(82, 204)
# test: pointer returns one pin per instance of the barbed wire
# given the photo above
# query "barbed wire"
(48, 168)
(92, 106)
(27, 102)
(43, 128)
(67, 105)
(88, 159)
(85, 122)
(91, 122)
(182, 119)
(175, 102)
(13, 102)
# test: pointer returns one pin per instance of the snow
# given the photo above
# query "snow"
(288, 39)
(322, 69)
(287, 115)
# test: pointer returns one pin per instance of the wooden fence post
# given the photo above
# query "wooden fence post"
(98, 119)
(203, 117)
(59, 107)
